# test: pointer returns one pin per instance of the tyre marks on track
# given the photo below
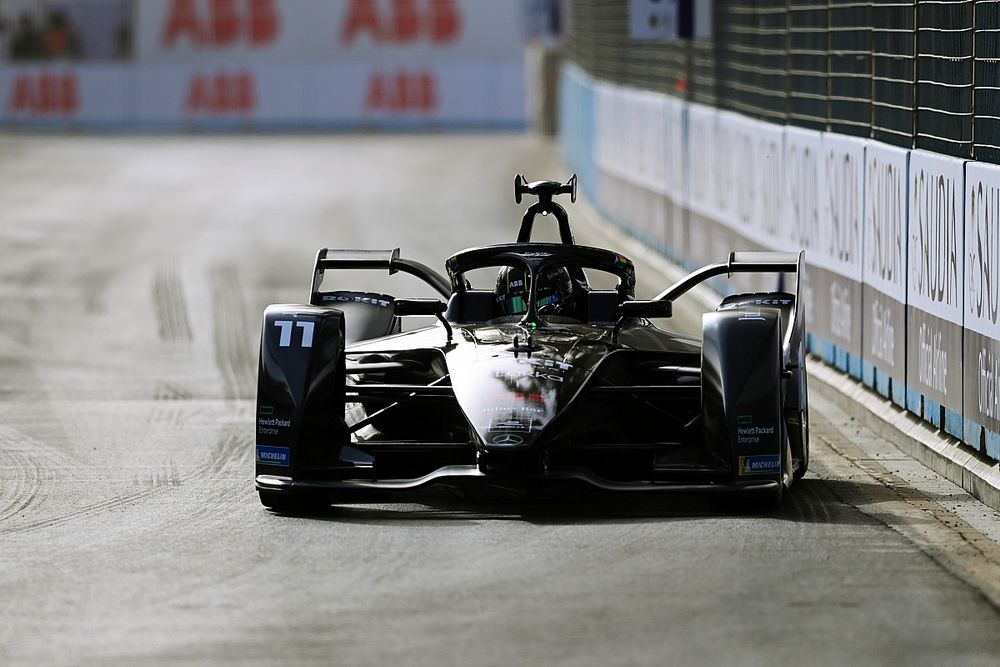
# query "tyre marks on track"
(808, 502)
(32, 466)
(169, 391)
(28, 465)
(231, 459)
(233, 330)
(171, 309)
(21, 478)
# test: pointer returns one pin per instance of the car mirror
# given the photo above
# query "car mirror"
(657, 308)
(411, 307)
(416, 307)
(630, 309)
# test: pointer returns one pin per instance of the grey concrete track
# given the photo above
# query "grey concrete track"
(132, 275)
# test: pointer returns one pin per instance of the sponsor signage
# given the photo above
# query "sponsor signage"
(670, 19)
(759, 465)
(273, 456)
(702, 175)
(676, 234)
(834, 255)
(736, 199)
(804, 174)
(197, 95)
(902, 255)
(654, 19)
(981, 367)
(770, 222)
(63, 94)
(674, 145)
(884, 251)
(348, 95)
(706, 236)
(842, 194)
(269, 30)
(295, 63)
(935, 273)
(390, 91)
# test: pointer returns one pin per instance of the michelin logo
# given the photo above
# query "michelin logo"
(273, 456)
(755, 465)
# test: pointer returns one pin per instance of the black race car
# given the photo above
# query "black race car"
(534, 375)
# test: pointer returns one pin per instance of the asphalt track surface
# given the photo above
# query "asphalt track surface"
(132, 275)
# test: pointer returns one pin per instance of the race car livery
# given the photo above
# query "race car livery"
(540, 379)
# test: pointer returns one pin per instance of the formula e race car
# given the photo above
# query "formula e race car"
(538, 370)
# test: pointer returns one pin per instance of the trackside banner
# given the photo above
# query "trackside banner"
(934, 296)
(836, 266)
(707, 236)
(902, 286)
(393, 92)
(755, 180)
(185, 31)
(981, 370)
(804, 177)
(247, 64)
(64, 95)
(639, 159)
(885, 254)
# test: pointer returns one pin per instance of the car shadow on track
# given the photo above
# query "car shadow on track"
(816, 501)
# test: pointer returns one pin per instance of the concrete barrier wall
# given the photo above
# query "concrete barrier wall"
(902, 288)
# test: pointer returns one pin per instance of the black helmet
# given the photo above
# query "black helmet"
(554, 294)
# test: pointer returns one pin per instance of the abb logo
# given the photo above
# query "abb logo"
(224, 23)
(406, 21)
(44, 94)
(221, 93)
(402, 92)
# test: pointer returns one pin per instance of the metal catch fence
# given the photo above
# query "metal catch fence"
(917, 73)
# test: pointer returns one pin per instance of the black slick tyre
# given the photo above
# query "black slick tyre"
(293, 503)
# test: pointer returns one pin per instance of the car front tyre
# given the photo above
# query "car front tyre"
(299, 502)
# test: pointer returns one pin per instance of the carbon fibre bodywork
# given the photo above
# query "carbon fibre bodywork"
(600, 396)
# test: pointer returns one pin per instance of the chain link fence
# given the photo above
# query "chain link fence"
(922, 74)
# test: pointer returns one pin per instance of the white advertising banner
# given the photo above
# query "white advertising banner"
(652, 152)
(735, 200)
(884, 250)
(936, 244)
(704, 178)
(843, 197)
(348, 94)
(804, 178)
(193, 95)
(982, 308)
(770, 222)
(935, 290)
(653, 19)
(982, 249)
(674, 167)
(885, 219)
(632, 166)
(606, 120)
(64, 94)
(270, 30)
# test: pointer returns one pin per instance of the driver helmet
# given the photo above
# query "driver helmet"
(554, 294)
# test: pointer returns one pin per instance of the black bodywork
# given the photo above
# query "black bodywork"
(348, 404)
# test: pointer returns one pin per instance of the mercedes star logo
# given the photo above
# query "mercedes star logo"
(507, 439)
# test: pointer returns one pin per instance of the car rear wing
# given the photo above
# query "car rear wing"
(389, 260)
(739, 262)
